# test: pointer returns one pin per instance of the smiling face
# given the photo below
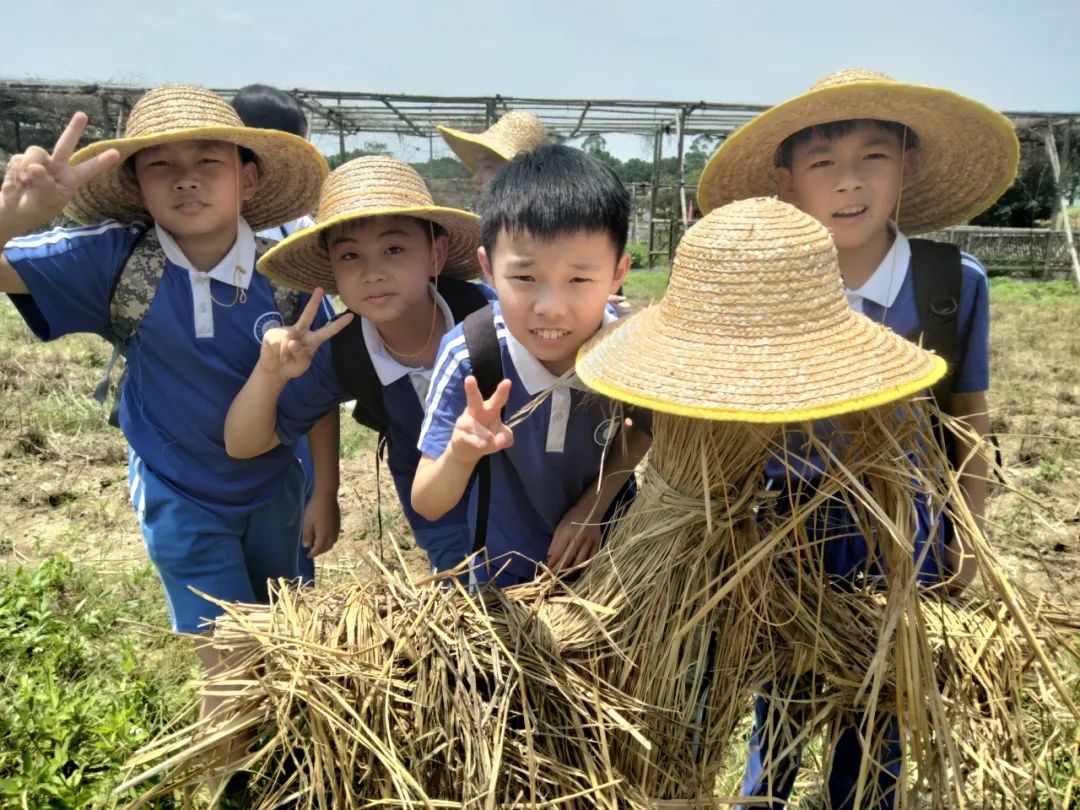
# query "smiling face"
(552, 293)
(382, 266)
(850, 183)
(195, 189)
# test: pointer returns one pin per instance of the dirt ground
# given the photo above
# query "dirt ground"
(63, 480)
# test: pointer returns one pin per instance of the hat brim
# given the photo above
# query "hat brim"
(469, 146)
(969, 153)
(302, 262)
(856, 364)
(291, 172)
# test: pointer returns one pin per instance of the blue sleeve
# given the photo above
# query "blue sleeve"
(69, 273)
(308, 398)
(446, 395)
(973, 349)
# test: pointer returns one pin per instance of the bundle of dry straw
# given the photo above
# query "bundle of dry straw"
(629, 686)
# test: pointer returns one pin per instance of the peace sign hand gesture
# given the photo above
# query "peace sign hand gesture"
(37, 185)
(480, 431)
(287, 350)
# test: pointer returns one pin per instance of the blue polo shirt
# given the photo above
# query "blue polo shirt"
(186, 362)
(556, 455)
(311, 396)
(888, 297)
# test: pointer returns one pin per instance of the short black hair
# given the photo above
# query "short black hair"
(432, 230)
(838, 129)
(555, 190)
(245, 154)
(265, 107)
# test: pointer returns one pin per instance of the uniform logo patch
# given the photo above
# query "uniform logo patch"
(264, 323)
(606, 431)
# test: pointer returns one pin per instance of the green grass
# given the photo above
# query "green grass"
(85, 680)
(645, 285)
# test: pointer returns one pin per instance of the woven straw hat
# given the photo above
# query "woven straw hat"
(371, 186)
(512, 134)
(290, 169)
(969, 153)
(755, 328)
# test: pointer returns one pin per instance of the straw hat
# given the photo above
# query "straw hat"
(515, 132)
(371, 186)
(969, 153)
(290, 169)
(755, 328)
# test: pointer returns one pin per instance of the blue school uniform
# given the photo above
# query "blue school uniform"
(887, 297)
(446, 541)
(556, 454)
(193, 351)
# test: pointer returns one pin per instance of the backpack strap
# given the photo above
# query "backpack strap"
(936, 275)
(485, 358)
(462, 297)
(356, 372)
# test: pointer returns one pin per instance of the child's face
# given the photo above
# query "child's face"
(194, 188)
(382, 266)
(553, 293)
(487, 166)
(850, 184)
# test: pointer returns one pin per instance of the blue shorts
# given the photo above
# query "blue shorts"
(227, 558)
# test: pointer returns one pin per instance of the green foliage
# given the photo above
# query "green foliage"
(83, 686)
(639, 254)
(645, 285)
(1013, 290)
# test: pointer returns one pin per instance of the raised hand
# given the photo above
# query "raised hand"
(480, 431)
(37, 185)
(287, 350)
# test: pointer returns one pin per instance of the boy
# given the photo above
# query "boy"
(187, 163)
(265, 107)
(872, 159)
(400, 263)
(486, 153)
(553, 226)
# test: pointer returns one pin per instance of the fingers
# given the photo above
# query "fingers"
(308, 315)
(96, 165)
(329, 330)
(474, 403)
(69, 138)
(502, 393)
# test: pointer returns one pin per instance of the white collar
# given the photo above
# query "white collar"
(387, 368)
(241, 256)
(885, 282)
(534, 375)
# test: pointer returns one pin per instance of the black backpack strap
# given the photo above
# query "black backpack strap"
(463, 297)
(356, 373)
(485, 357)
(936, 275)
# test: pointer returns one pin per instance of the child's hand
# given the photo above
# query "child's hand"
(479, 431)
(38, 185)
(577, 537)
(287, 350)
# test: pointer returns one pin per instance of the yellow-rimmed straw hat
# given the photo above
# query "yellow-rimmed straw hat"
(755, 328)
(372, 186)
(968, 152)
(291, 170)
(512, 134)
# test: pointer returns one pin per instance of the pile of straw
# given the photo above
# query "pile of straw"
(627, 687)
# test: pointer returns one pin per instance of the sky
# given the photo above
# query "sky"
(1011, 55)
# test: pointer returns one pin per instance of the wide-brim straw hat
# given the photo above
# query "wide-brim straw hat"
(968, 152)
(366, 187)
(755, 327)
(291, 170)
(512, 134)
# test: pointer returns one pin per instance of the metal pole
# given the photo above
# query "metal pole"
(680, 124)
(658, 150)
(1051, 149)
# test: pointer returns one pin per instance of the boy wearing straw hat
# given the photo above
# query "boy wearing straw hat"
(553, 227)
(400, 263)
(876, 160)
(265, 107)
(187, 164)
(485, 153)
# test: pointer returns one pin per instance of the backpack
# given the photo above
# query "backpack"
(936, 274)
(133, 291)
(355, 371)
